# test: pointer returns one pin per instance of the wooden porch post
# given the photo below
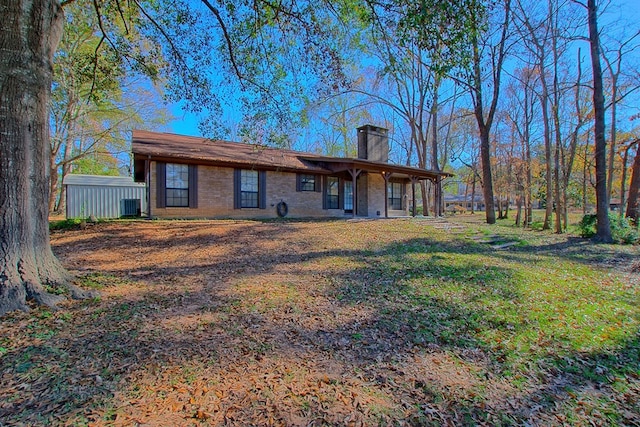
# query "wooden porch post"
(437, 195)
(147, 178)
(414, 179)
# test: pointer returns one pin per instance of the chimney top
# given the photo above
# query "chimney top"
(373, 143)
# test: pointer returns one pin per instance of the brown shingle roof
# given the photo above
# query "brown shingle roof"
(190, 149)
(197, 149)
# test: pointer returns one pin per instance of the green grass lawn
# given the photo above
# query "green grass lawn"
(385, 322)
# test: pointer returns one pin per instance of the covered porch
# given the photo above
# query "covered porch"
(361, 191)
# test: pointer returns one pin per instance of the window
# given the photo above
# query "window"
(395, 193)
(306, 182)
(333, 192)
(177, 185)
(249, 189)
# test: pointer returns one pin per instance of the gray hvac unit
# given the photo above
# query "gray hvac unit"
(130, 207)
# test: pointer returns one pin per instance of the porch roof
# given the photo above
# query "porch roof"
(339, 164)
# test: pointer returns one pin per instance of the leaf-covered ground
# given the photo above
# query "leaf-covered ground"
(349, 323)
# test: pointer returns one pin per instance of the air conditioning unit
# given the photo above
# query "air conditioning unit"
(129, 207)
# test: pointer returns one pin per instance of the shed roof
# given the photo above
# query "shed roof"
(101, 180)
(171, 147)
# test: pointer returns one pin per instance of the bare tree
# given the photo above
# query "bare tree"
(521, 114)
(497, 54)
(633, 205)
(614, 59)
(603, 228)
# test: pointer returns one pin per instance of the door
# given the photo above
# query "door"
(348, 196)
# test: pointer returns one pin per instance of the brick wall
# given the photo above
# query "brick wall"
(215, 197)
(375, 185)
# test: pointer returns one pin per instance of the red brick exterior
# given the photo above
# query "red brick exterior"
(216, 197)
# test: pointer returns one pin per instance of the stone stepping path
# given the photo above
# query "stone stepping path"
(495, 241)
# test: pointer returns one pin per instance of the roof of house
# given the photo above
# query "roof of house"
(171, 147)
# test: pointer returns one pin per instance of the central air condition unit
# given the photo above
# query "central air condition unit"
(129, 207)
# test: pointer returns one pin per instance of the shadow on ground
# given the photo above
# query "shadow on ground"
(331, 323)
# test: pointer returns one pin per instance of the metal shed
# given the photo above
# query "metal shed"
(104, 196)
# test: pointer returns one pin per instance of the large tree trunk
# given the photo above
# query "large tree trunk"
(633, 206)
(603, 227)
(487, 180)
(30, 33)
(544, 101)
(473, 192)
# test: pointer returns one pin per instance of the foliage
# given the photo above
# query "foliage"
(270, 58)
(65, 224)
(446, 29)
(622, 230)
(73, 223)
(95, 100)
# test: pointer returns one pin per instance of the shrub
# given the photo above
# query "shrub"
(65, 224)
(587, 225)
(622, 230)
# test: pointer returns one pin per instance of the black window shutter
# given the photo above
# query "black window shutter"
(237, 190)
(161, 185)
(298, 182)
(317, 184)
(324, 196)
(193, 186)
(262, 189)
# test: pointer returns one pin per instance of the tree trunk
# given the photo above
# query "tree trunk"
(66, 168)
(528, 199)
(487, 180)
(612, 135)
(558, 154)
(544, 102)
(425, 198)
(556, 184)
(506, 208)
(484, 123)
(31, 32)
(473, 193)
(623, 179)
(53, 182)
(603, 228)
(633, 206)
(585, 172)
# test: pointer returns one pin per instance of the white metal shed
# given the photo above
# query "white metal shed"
(104, 196)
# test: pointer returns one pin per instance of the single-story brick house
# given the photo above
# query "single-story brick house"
(191, 177)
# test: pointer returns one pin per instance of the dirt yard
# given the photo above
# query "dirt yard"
(270, 323)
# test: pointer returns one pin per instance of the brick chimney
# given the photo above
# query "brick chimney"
(373, 143)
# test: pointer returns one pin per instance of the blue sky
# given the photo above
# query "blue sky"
(186, 123)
